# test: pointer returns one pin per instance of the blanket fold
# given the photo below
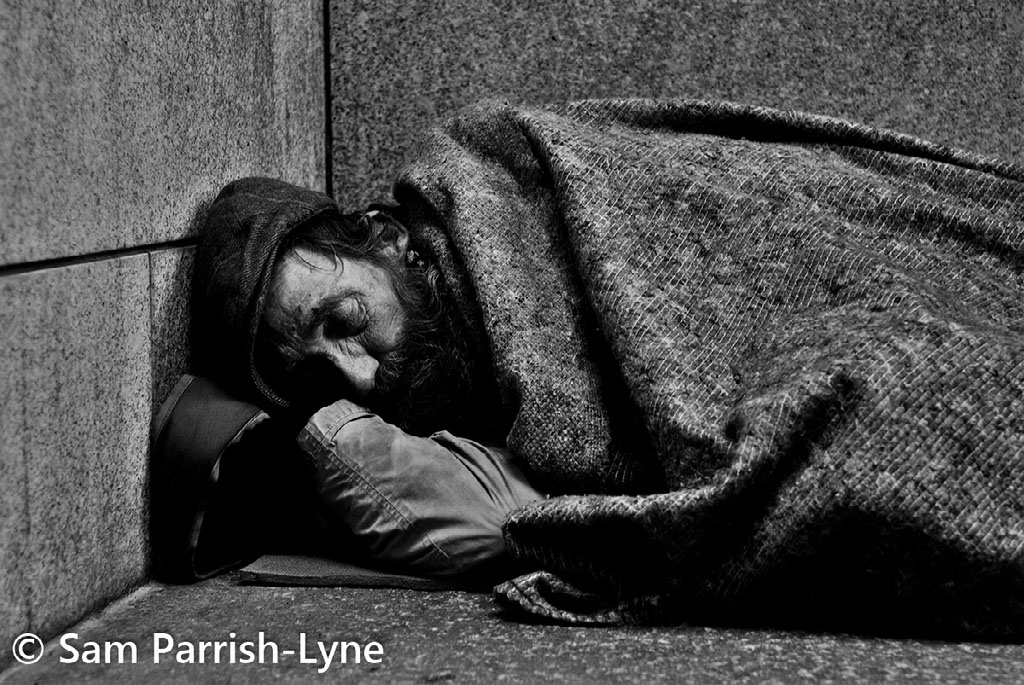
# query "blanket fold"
(769, 362)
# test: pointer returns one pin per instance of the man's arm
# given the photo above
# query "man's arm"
(432, 505)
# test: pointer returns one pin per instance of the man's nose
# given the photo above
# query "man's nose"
(359, 371)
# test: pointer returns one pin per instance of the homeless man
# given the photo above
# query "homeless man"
(336, 318)
(769, 366)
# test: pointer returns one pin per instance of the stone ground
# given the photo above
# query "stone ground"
(444, 637)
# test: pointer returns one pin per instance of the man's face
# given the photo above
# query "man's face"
(342, 313)
(375, 333)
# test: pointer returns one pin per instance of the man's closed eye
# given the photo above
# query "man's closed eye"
(349, 322)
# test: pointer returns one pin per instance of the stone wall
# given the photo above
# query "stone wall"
(120, 121)
(947, 70)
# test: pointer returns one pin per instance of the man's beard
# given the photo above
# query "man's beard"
(425, 384)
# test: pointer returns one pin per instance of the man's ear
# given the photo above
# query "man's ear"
(396, 241)
(394, 238)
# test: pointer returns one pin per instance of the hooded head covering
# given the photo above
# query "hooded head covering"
(240, 241)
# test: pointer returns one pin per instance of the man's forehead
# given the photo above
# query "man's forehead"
(302, 274)
(302, 259)
(297, 285)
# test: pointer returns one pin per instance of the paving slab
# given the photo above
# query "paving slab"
(409, 636)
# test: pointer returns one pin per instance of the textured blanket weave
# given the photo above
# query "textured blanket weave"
(770, 363)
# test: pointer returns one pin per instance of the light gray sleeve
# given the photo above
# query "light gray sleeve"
(432, 505)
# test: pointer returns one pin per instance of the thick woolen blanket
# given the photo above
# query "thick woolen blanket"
(769, 363)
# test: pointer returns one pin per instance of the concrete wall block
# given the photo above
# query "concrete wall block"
(948, 71)
(74, 422)
(171, 274)
(15, 596)
(121, 118)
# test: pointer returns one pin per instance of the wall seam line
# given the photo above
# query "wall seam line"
(88, 258)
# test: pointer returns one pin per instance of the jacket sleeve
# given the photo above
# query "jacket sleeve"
(430, 505)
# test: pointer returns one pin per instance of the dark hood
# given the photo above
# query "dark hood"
(240, 240)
